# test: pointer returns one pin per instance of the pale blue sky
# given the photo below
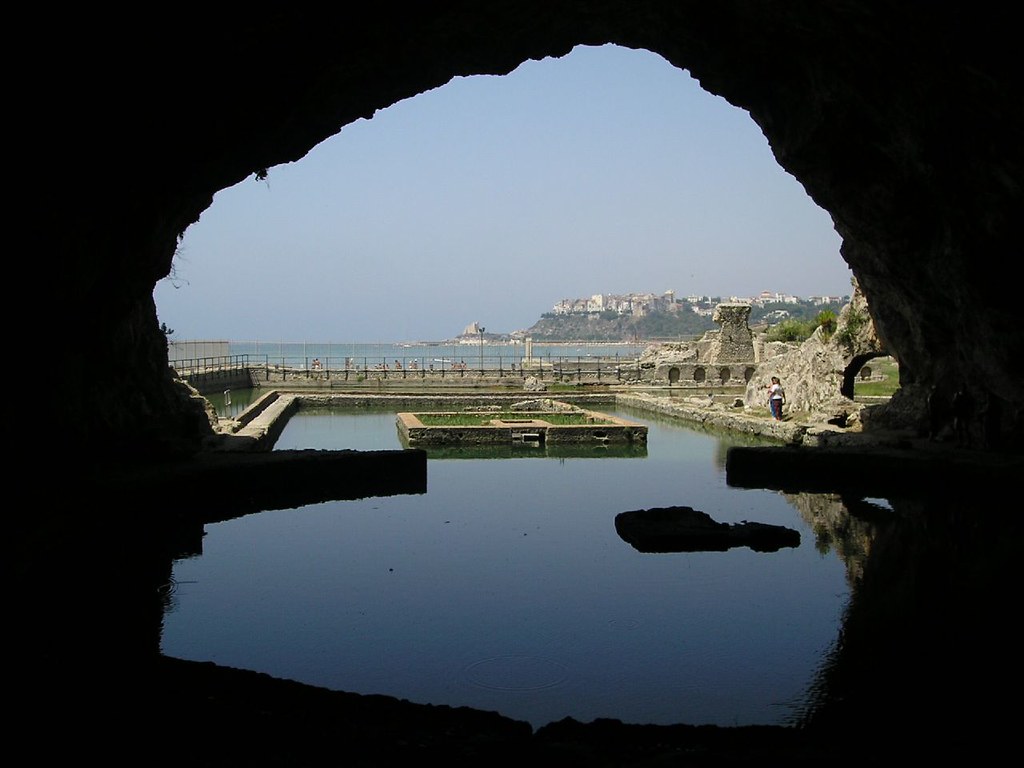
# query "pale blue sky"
(491, 198)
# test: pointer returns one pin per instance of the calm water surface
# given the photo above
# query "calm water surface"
(506, 587)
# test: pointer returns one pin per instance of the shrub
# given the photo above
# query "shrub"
(795, 329)
(791, 329)
(826, 320)
(854, 323)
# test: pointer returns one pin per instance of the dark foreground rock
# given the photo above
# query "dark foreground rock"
(930, 619)
(683, 529)
(200, 714)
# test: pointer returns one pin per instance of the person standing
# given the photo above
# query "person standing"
(776, 398)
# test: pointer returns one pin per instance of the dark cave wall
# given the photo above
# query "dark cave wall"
(902, 120)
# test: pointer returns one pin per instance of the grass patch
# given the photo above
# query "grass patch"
(884, 381)
(569, 418)
(590, 386)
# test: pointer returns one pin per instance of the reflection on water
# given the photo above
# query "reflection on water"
(926, 651)
(230, 403)
(527, 450)
(506, 587)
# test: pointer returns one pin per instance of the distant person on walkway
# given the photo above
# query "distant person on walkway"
(776, 398)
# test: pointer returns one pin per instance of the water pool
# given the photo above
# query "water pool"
(505, 587)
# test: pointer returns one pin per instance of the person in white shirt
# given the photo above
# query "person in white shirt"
(776, 398)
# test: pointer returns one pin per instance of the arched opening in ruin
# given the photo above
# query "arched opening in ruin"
(748, 373)
(699, 374)
(857, 369)
(673, 375)
(724, 374)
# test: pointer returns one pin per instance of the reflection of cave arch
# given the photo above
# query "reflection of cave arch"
(699, 374)
(724, 374)
(748, 373)
(673, 375)
(851, 371)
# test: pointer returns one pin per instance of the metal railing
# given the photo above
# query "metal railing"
(561, 368)
(219, 365)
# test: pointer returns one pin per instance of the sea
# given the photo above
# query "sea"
(477, 354)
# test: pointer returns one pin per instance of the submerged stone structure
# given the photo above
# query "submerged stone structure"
(547, 426)
(684, 529)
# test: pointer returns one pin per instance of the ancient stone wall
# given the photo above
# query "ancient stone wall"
(723, 357)
(814, 373)
(734, 342)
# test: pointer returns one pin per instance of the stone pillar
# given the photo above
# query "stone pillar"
(735, 342)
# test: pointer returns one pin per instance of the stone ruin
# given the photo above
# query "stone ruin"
(724, 357)
(734, 341)
(817, 375)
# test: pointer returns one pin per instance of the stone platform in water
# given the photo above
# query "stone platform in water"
(683, 529)
(559, 423)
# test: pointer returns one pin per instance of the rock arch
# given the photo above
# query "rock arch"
(906, 132)
(851, 372)
(904, 126)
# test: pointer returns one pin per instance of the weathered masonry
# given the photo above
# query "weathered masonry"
(541, 427)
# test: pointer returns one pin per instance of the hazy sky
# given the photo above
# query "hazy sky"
(492, 198)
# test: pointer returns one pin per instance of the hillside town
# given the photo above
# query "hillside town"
(652, 316)
(642, 304)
